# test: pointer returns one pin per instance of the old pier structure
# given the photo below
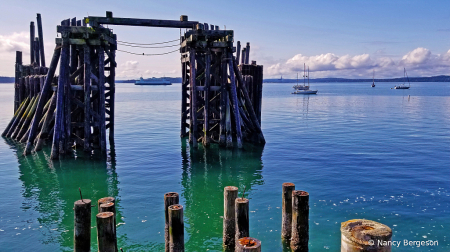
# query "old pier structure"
(221, 98)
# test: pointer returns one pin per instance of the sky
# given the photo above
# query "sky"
(342, 39)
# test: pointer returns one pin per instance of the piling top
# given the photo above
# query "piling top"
(170, 195)
(106, 200)
(249, 242)
(176, 207)
(82, 202)
(288, 184)
(231, 188)
(365, 232)
(300, 193)
(104, 215)
(107, 204)
(241, 200)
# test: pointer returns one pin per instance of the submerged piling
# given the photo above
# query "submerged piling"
(365, 235)
(300, 221)
(248, 244)
(229, 216)
(286, 223)
(82, 229)
(176, 228)
(170, 198)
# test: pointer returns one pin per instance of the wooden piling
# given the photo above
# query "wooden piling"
(193, 100)
(206, 98)
(46, 89)
(247, 53)
(230, 194)
(242, 218)
(101, 100)
(106, 237)
(16, 115)
(248, 244)
(176, 228)
(238, 51)
(300, 221)
(365, 235)
(223, 99)
(109, 207)
(31, 43)
(45, 130)
(41, 39)
(170, 198)
(17, 76)
(82, 229)
(22, 113)
(286, 219)
(87, 98)
(36, 52)
(234, 100)
(26, 122)
(244, 54)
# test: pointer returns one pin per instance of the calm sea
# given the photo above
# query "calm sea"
(361, 152)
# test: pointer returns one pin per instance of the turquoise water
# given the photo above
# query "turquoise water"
(360, 152)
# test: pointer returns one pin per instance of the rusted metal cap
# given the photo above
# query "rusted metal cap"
(249, 242)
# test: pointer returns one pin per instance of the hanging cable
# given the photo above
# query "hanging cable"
(147, 46)
(152, 54)
(131, 43)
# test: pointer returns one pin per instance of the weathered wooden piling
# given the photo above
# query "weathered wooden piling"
(41, 39)
(170, 198)
(32, 32)
(300, 221)
(176, 228)
(286, 219)
(229, 216)
(242, 218)
(106, 236)
(82, 229)
(365, 235)
(104, 201)
(248, 244)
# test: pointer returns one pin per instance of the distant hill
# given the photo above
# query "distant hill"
(440, 78)
(172, 79)
(4, 79)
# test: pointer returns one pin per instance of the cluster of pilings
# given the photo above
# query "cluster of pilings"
(106, 225)
(74, 108)
(219, 104)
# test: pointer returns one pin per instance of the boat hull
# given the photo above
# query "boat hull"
(400, 87)
(305, 92)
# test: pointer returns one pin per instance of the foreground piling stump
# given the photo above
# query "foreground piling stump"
(242, 218)
(229, 216)
(248, 244)
(300, 221)
(82, 229)
(365, 235)
(170, 198)
(106, 237)
(110, 207)
(105, 200)
(286, 223)
(176, 228)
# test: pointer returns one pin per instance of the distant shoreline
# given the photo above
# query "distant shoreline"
(440, 78)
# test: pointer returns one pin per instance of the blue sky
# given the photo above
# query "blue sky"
(334, 38)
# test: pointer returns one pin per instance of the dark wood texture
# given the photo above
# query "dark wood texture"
(242, 218)
(176, 228)
(300, 221)
(229, 216)
(170, 198)
(286, 211)
(82, 226)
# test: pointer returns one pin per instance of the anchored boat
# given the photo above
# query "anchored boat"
(403, 86)
(305, 88)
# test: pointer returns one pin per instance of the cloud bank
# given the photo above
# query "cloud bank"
(418, 62)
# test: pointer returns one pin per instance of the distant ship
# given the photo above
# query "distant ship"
(403, 86)
(153, 81)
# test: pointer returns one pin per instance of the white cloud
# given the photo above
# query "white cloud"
(420, 62)
(15, 42)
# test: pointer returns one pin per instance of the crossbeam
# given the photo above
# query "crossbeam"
(110, 20)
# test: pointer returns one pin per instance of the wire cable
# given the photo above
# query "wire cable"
(165, 42)
(147, 46)
(152, 54)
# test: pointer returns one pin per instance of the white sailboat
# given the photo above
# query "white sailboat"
(305, 89)
(403, 86)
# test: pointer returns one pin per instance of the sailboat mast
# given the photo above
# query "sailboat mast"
(304, 74)
(308, 76)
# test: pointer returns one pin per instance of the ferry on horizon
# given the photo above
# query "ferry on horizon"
(153, 81)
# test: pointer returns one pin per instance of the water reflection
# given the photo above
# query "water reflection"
(51, 187)
(205, 172)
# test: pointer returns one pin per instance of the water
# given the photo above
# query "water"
(360, 152)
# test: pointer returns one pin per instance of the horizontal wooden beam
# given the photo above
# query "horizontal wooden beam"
(96, 21)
